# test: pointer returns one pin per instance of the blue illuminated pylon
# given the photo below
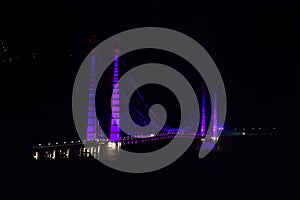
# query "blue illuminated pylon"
(92, 118)
(203, 129)
(115, 102)
(215, 116)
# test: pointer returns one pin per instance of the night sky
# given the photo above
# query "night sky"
(256, 48)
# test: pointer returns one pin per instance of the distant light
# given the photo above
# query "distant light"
(214, 138)
(40, 144)
(36, 155)
(71, 142)
(244, 133)
(259, 128)
(78, 140)
(49, 143)
(252, 128)
(244, 129)
(56, 143)
(274, 128)
(64, 142)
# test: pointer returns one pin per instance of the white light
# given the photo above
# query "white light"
(71, 142)
(244, 133)
(36, 155)
(78, 140)
(54, 154)
(40, 144)
(64, 142)
(49, 143)
(214, 138)
(274, 128)
(111, 145)
(56, 143)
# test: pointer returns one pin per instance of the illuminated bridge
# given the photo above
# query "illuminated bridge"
(106, 149)
(97, 144)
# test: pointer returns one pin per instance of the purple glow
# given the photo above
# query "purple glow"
(115, 122)
(115, 129)
(90, 136)
(115, 102)
(116, 86)
(92, 96)
(91, 114)
(116, 91)
(114, 137)
(91, 128)
(215, 116)
(92, 108)
(203, 113)
(92, 119)
(115, 115)
(115, 108)
(116, 61)
(115, 96)
(92, 102)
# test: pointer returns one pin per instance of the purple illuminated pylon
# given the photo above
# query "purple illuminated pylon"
(215, 116)
(203, 129)
(115, 103)
(92, 118)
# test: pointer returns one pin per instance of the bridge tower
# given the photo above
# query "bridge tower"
(215, 116)
(92, 118)
(92, 122)
(115, 102)
(203, 128)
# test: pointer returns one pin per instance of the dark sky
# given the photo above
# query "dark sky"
(256, 47)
